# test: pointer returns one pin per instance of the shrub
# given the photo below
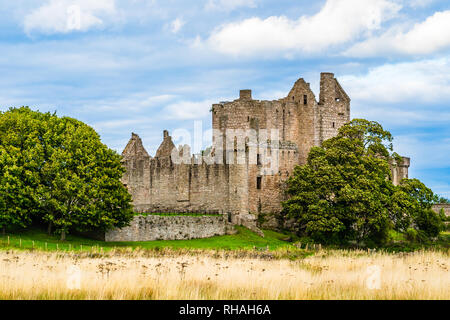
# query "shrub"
(429, 222)
(411, 234)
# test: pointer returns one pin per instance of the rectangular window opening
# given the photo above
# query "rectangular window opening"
(258, 183)
(305, 99)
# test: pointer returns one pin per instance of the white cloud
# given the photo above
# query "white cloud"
(228, 5)
(188, 110)
(176, 25)
(338, 22)
(64, 16)
(420, 81)
(427, 37)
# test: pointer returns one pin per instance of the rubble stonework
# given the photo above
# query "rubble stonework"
(438, 207)
(154, 227)
(242, 191)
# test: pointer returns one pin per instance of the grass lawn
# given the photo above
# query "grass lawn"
(244, 239)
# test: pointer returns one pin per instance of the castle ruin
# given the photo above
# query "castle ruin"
(241, 189)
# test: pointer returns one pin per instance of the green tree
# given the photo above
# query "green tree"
(343, 191)
(20, 158)
(82, 188)
(76, 178)
(443, 200)
(416, 201)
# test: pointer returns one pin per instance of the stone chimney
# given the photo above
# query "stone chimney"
(245, 95)
(327, 88)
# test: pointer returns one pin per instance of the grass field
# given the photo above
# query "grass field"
(244, 239)
(177, 274)
(34, 265)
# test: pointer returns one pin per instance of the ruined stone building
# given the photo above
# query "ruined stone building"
(241, 190)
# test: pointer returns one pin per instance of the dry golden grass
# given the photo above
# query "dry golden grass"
(139, 275)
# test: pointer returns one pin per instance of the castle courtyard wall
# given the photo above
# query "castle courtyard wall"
(446, 206)
(154, 227)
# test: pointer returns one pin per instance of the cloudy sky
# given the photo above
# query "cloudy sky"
(143, 66)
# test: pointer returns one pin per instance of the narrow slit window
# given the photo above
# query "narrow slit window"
(334, 124)
(305, 99)
(258, 159)
(258, 183)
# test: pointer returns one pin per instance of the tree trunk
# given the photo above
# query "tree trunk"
(3, 230)
(49, 229)
(63, 235)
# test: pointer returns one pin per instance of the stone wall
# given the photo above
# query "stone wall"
(154, 227)
(159, 185)
(446, 206)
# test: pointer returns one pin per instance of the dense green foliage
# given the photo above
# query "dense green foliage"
(56, 170)
(344, 192)
(411, 205)
(443, 200)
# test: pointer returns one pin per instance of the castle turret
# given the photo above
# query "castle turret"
(400, 170)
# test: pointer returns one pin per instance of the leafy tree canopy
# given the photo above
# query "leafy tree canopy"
(57, 170)
(443, 200)
(344, 192)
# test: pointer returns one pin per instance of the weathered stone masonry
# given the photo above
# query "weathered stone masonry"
(241, 191)
(446, 206)
(154, 227)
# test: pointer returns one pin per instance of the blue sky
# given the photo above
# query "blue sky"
(140, 66)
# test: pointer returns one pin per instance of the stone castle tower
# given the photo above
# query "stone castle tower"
(240, 187)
